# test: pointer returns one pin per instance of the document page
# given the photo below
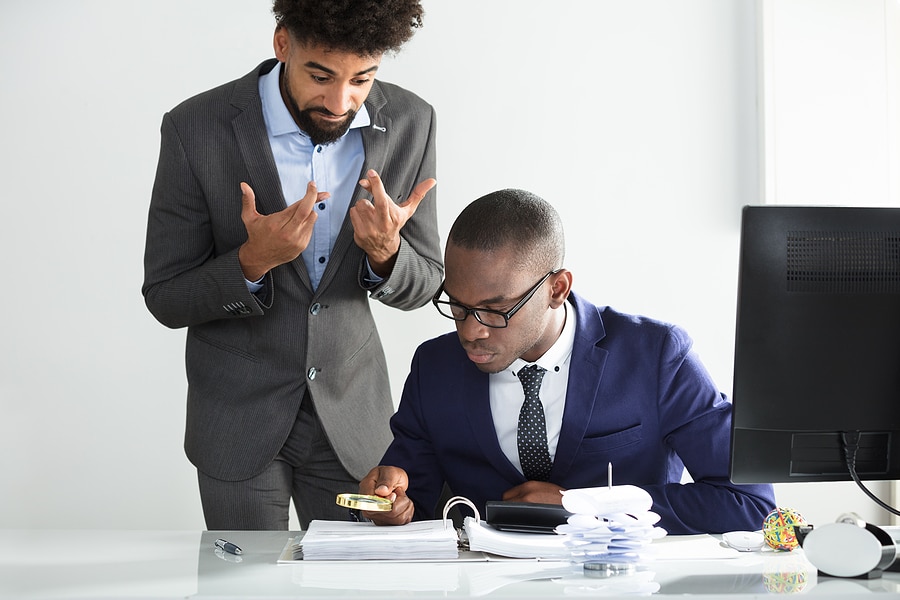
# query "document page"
(484, 538)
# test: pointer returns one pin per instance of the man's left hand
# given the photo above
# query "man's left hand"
(377, 222)
(541, 492)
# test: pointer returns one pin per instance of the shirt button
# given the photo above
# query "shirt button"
(321, 260)
(318, 148)
(314, 309)
(311, 374)
(321, 206)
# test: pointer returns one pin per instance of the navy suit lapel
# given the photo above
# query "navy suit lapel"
(253, 141)
(585, 372)
(475, 390)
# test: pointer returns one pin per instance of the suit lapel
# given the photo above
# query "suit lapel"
(585, 372)
(375, 139)
(376, 135)
(253, 141)
(475, 390)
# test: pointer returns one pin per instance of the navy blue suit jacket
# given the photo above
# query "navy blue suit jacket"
(637, 396)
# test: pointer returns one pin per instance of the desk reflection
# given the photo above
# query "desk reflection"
(257, 574)
(180, 564)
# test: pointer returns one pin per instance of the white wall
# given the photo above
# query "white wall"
(831, 118)
(637, 119)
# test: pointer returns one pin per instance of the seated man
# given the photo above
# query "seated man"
(540, 390)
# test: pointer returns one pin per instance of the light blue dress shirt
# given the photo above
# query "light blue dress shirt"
(334, 167)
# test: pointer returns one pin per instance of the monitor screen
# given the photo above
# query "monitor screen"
(817, 345)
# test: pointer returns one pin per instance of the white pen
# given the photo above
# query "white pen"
(609, 476)
(228, 546)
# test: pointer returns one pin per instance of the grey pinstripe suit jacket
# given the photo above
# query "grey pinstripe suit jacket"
(249, 358)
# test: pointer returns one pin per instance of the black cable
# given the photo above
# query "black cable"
(851, 446)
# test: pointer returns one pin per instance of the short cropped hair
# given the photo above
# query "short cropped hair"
(361, 27)
(512, 219)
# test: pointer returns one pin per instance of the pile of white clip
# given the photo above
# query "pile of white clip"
(612, 524)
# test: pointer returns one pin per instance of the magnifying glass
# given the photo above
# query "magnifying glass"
(364, 502)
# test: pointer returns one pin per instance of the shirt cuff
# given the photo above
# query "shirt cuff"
(255, 286)
(370, 279)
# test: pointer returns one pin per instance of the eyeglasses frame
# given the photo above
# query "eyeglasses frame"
(474, 311)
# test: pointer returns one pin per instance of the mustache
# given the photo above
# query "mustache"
(326, 112)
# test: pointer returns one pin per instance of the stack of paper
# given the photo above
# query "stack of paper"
(484, 538)
(346, 540)
(609, 524)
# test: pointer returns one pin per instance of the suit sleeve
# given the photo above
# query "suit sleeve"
(418, 269)
(696, 423)
(412, 448)
(188, 280)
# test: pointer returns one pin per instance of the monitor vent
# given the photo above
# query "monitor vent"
(843, 262)
(821, 454)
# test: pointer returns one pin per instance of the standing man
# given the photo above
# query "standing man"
(283, 202)
(539, 390)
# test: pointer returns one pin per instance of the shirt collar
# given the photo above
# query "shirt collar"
(278, 119)
(559, 353)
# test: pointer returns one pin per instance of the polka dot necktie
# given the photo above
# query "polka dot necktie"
(532, 433)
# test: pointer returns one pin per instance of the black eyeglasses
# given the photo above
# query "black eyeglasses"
(485, 316)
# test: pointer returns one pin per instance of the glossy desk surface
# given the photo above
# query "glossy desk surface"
(183, 564)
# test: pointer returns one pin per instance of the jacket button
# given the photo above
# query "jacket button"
(314, 309)
(311, 374)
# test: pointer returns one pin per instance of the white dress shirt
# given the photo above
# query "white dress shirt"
(507, 394)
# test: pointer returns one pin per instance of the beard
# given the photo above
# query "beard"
(318, 134)
(323, 135)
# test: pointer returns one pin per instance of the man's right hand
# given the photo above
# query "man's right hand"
(390, 483)
(278, 238)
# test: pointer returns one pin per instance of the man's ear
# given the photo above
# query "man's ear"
(281, 42)
(561, 285)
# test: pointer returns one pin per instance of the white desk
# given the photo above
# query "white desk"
(179, 564)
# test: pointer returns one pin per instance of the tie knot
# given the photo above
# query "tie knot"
(531, 378)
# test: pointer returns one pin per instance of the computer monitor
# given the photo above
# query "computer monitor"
(817, 347)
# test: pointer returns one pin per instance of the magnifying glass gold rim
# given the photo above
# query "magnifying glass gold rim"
(364, 502)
